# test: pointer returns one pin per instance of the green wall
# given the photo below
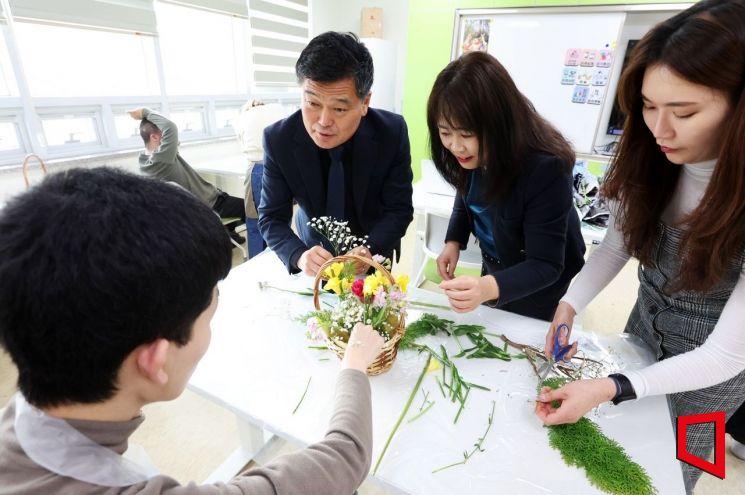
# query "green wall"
(428, 52)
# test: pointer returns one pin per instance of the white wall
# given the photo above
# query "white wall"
(346, 15)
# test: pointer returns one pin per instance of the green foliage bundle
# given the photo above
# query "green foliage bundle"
(605, 462)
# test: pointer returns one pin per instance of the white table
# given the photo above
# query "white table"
(231, 165)
(226, 172)
(259, 363)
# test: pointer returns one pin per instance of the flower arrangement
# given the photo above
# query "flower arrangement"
(377, 299)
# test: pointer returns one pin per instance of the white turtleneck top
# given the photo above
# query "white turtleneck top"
(718, 359)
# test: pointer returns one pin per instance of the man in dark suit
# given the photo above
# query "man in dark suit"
(335, 157)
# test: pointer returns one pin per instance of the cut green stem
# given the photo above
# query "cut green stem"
(477, 447)
(303, 397)
(403, 414)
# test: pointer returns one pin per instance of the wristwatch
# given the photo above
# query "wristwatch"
(624, 388)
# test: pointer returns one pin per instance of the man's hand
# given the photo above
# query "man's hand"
(312, 259)
(136, 113)
(359, 267)
(466, 293)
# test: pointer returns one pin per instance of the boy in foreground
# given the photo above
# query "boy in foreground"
(108, 283)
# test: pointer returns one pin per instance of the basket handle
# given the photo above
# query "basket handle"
(24, 167)
(342, 259)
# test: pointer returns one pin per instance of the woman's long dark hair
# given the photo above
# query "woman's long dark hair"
(705, 45)
(477, 94)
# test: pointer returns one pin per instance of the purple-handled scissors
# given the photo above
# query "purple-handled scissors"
(557, 354)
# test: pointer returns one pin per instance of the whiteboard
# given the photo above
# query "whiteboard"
(533, 43)
(533, 48)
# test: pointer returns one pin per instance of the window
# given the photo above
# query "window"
(70, 130)
(7, 77)
(9, 138)
(190, 122)
(83, 62)
(225, 117)
(203, 52)
(126, 127)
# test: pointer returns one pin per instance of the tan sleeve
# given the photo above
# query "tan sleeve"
(336, 465)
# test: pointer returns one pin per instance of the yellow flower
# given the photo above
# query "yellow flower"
(371, 285)
(334, 270)
(382, 279)
(333, 284)
(434, 365)
(346, 283)
(402, 281)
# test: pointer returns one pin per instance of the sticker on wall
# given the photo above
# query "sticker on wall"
(584, 76)
(605, 58)
(587, 57)
(580, 94)
(572, 57)
(568, 75)
(600, 77)
(595, 96)
(475, 36)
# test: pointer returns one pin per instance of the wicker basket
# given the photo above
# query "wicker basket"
(384, 360)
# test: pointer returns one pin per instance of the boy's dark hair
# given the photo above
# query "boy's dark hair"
(93, 263)
(146, 129)
(332, 56)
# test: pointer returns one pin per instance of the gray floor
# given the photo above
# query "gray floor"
(189, 437)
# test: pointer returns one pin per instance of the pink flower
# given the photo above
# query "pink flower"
(397, 295)
(315, 332)
(357, 287)
(380, 297)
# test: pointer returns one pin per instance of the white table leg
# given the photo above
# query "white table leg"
(252, 439)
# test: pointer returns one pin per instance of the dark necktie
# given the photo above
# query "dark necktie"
(335, 190)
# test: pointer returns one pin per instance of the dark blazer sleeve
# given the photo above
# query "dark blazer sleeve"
(275, 208)
(397, 208)
(547, 199)
(459, 227)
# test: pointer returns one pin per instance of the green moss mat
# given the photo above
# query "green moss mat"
(606, 464)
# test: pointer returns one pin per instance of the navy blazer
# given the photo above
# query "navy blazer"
(537, 236)
(381, 177)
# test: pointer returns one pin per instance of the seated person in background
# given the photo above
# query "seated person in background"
(161, 159)
(336, 157)
(512, 172)
(97, 337)
(255, 116)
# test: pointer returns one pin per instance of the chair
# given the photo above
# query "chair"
(432, 238)
(231, 223)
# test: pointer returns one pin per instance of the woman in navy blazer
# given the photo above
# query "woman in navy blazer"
(512, 173)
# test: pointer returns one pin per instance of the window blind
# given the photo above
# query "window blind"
(127, 15)
(237, 8)
(279, 32)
